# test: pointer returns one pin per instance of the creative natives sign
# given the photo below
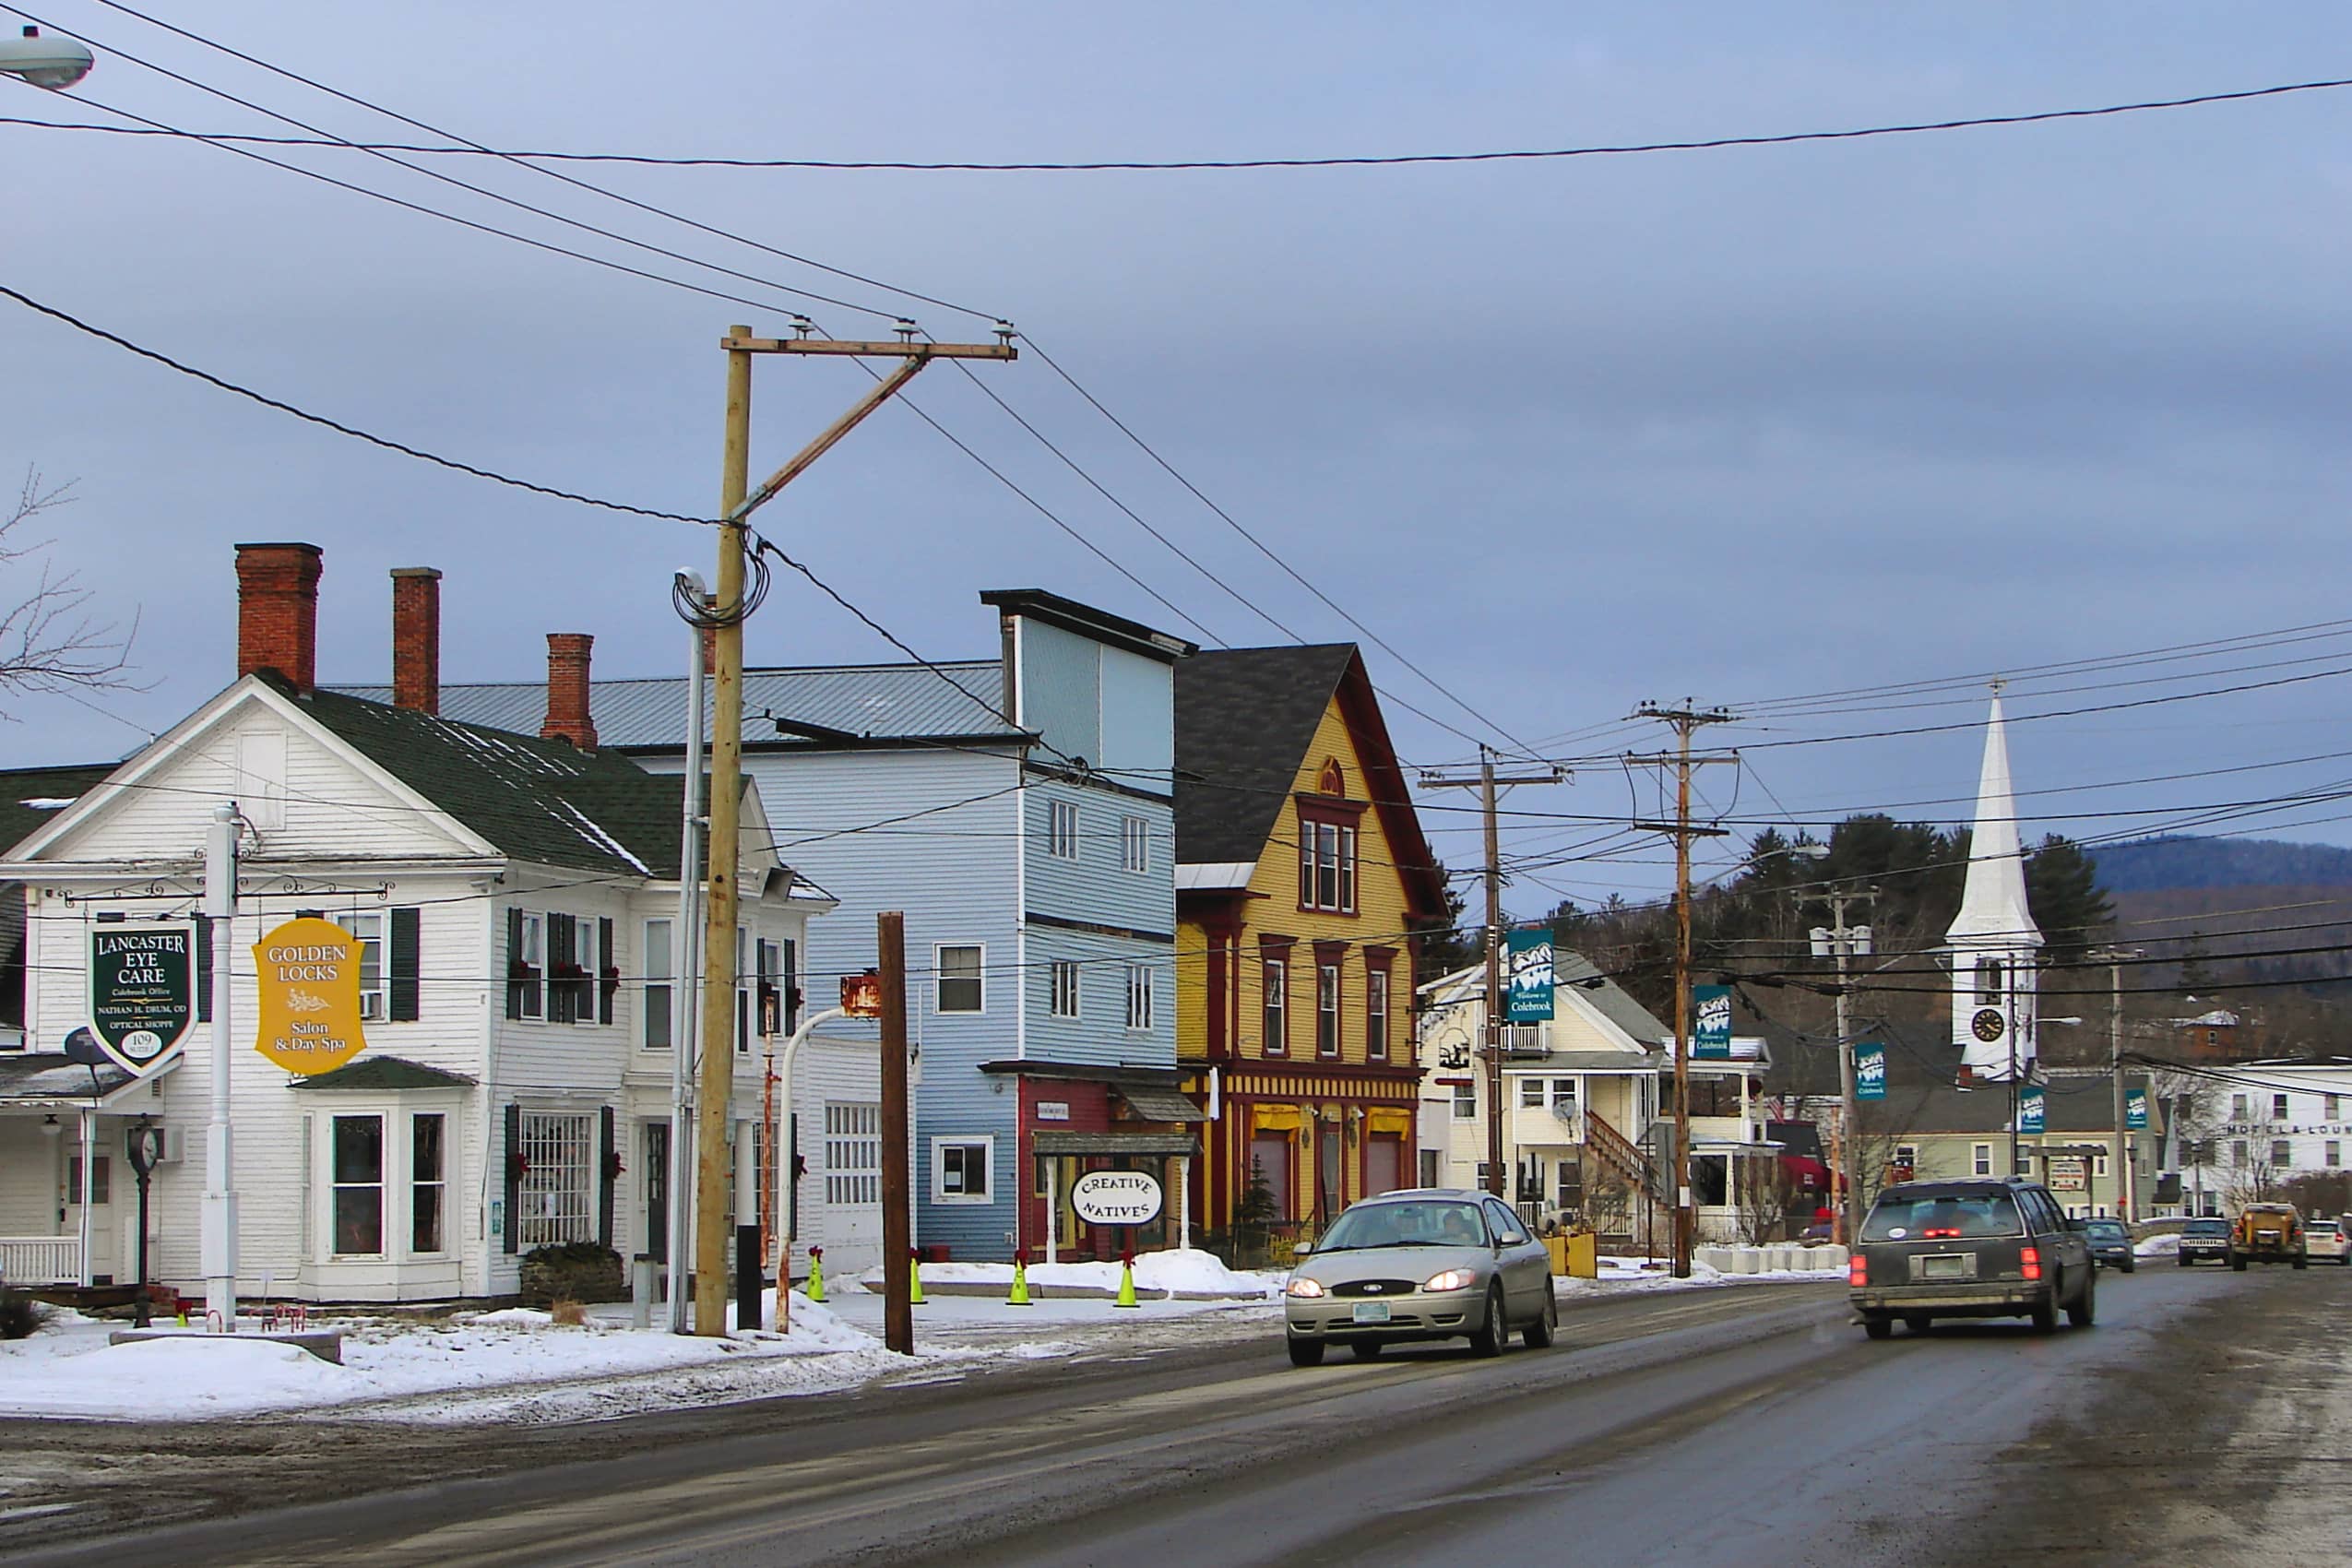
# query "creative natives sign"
(2030, 1107)
(1711, 1022)
(2135, 1110)
(308, 972)
(142, 991)
(2070, 1174)
(1870, 1070)
(1116, 1197)
(1527, 960)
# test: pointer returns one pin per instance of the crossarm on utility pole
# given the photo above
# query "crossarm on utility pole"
(884, 390)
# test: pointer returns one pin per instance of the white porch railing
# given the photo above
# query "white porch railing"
(40, 1260)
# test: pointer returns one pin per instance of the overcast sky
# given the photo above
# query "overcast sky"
(1736, 424)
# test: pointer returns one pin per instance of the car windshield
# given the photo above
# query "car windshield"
(2320, 1227)
(1938, 1214)
(2206, 1228)
(2110, 1230)
(1431, 1222)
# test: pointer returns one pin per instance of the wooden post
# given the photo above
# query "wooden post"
(897, 1239)
(726, 849)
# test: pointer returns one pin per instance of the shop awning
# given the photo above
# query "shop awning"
(1152, 1103)
(1115, 1143)
(1275, 1119)
(1806, 1168)
(1387, 1120)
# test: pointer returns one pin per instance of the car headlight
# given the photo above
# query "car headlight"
(1451, 1280)
(1300, 1286)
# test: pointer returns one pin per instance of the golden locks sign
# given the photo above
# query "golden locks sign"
(309, 971)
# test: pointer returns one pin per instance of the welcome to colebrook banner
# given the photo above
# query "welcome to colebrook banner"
(309, 975)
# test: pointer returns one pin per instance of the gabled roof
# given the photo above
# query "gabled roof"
(30, 796)
(545, 802)
(877, 702)
(1245, 718)
(1573, 976)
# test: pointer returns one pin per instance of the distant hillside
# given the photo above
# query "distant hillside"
(2185, 863)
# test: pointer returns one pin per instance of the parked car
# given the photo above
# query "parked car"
(2268, 1233)
(1425, 1263)
(1978, 1247)
(2205, 1238)
(2324, 1241)
(2111, 1244)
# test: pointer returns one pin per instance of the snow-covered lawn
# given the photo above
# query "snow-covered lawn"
(517, 1365)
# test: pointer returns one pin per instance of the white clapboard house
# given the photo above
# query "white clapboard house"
(515, 895)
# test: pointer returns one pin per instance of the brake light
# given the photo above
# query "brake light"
(2029, 1260)
(1858, 1270)
(1933, 1233)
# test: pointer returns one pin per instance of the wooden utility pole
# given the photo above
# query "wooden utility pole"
(737, 502)
(2127, 1197)
(1497, 1004)
(898, 1239)
(1845, 942)
(1686, 720)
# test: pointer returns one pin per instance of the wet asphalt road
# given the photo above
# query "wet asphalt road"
(2207, 1418)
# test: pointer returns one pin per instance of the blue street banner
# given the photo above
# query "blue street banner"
(1528, 963)
(2135, 1110)
(1870, 1070)
(2030, 1106)
(1711, 1022)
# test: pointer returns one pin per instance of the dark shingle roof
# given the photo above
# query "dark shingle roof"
(1244, 718)
(539, 801)
(30, 796)
(382, 1072)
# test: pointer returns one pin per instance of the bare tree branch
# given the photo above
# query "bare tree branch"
(50, 639)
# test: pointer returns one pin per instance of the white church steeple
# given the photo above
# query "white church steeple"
(1993, 939)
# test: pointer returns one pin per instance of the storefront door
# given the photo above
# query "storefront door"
(1383, 1164)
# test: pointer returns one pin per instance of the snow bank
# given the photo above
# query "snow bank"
(1178, 1270)
(2165, 1246)
(211, 1375)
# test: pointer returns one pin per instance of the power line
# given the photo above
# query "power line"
(340, 427)
(1364, 161)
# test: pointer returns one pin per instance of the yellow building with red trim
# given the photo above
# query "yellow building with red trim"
(1301, 875)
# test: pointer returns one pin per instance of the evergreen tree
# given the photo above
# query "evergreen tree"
(2062, 889)
(1253, 1215)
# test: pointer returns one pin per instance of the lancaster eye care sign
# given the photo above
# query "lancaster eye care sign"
(309, 973)
(142, 991)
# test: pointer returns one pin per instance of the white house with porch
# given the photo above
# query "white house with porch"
(516, 896)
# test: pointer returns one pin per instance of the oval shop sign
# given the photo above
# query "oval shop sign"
(1116, 1197)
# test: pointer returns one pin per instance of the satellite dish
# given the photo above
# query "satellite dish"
(53, 63)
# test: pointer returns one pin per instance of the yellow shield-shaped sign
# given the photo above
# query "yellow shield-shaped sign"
(309, 971)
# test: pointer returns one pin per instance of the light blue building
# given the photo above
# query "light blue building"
(1018, 809)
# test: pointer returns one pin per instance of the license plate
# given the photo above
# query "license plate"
(1371, 1311)
(1954, 1266)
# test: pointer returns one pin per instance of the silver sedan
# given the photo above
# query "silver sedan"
(1429, 1263)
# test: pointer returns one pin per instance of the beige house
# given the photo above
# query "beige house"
(1583, 1095)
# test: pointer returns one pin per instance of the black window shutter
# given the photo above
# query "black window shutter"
(609, 981)
(605, 1160)
(559, 959)
(790, 981)
(514, 1172)
(514, 982)
(406, 998)
(204, 969)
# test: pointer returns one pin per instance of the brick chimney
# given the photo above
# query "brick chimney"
(416, 639)
(568, 690)
(278, 611)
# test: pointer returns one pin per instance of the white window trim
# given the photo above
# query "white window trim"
(387, 1165)
(1981, 1158)
(376, 1001)
(1061, 829)
(938, 974)
(939, 1193)
(534, 955)
(662, 983)
(1072, 970)
(1134, 845)
(1142, 989)
(406, 1212)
